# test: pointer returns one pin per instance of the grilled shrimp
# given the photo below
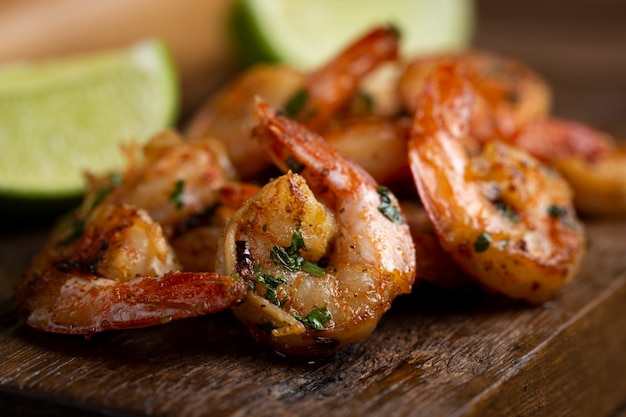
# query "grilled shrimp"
(174, 179)
(324, 251)
(110, 264)
(195, 241)
(112, 270)
(312, 98)
(592, 162)
(330, 88)
(377, 144)
(507, 220)
(512, 104)
(599, 184)
(508, 94)
(228, 117)
(433, 264)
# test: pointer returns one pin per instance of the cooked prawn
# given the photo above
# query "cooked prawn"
(112, 270)
(321, 258)
(508, 93)
(228, 117)
(506, 219)
(592, 162)
(173, 179)
(377, 144)
(312, 98)
(599, 184)
(330, 88)
(433, 264)
(195, 241)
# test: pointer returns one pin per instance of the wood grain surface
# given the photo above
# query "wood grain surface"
(434, 354)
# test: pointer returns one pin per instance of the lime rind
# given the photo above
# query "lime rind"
(59, 119)
(249, 41)
(306, 33)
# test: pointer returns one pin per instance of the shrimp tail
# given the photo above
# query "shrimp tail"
(445, 104)
(293, 147)
(331, 86)
(141, 302)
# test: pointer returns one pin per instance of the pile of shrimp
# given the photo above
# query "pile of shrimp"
(307, 202)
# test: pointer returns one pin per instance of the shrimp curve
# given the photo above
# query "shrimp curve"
(115, 270)
(508, 93)
(593, 162)
(352, 259)
(506, 219)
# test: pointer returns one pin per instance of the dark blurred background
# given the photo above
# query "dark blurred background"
(578, 45)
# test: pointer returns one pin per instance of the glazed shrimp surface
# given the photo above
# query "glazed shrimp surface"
(508, 93)
(322, 261)
(110, 264)
(312, 98)
(195, 241)
(228, 117)
(507, 220)
(377, 144)
(115, 270)
(600, 184)
(592, 161)
(172, 179)
(331, 88)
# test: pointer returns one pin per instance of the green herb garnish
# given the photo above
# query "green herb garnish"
(312, 268)
(176, 196)
(556, 212)
(291, 259)
(364, 103)
(316, 319)
(296, 103)
(78, 228)
(271, 283)
(386, 206)
(507, 211)
(116, 179)
(79, 224)
(267, 327)
(482, 242)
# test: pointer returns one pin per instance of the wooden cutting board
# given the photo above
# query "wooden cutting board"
(433, 354)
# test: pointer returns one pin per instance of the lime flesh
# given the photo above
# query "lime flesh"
(59, 119)
(307, 33)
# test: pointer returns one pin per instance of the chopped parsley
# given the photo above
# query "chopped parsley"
(482, 242)
(271, 283)
(386, 206)
(296, 103)
(116, 179)
(291, 259)
(556, 211)
(80, 223)
(312, 268)
(176, 196)
(507, 211)
(364, 103)
(267, 326)
(317, 319)
(78, 228)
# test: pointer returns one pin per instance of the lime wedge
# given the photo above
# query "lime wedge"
(306, 33)
(61, 118)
